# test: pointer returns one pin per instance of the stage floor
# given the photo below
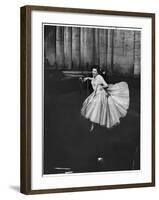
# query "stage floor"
(69, 146)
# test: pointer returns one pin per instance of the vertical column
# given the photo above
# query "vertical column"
(75, 47)
(68, 47)
(102, 48)
(83, 47)
(106, 47)
(118, 52)
(60, 47)
(109, 50)
(123, 42)
(96, 47)
(112, 50)
(128, 64)
(50, 44)
(123, 62)
(137, 52)
(89, 48)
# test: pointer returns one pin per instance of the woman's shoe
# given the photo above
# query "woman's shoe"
(92, 128)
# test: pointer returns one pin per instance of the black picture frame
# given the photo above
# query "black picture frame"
(26, 105)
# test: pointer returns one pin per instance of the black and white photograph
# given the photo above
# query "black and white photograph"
(91, 98)
(87, 91)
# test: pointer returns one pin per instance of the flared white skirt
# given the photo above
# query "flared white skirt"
(106, 107)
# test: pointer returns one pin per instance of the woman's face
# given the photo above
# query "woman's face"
(94, 72)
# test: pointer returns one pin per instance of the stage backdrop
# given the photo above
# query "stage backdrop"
(116, 51)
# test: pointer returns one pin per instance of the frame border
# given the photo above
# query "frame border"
(25, 98)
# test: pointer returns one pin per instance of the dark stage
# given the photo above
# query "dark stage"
(69, 147)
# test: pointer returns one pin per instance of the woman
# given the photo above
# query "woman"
(107, 103)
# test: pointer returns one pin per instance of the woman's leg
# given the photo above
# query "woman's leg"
(92, 127)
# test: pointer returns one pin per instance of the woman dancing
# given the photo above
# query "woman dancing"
(107, 103)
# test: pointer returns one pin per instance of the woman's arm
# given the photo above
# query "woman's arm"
(87, 78)
(103, 83)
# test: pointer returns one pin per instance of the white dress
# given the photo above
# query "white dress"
(106, 106)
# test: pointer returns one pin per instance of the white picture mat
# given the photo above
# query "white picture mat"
(88, 179)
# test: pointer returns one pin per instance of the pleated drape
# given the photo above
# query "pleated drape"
(79, 48)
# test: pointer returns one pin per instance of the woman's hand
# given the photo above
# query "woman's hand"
(105, 86)
(85, 79)
(81, 78)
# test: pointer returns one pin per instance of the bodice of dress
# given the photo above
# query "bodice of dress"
(98, 82)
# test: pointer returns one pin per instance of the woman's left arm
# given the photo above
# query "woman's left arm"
(103, 83)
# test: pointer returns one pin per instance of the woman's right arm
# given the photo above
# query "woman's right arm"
(87, 78)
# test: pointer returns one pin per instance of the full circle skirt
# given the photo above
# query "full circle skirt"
(106, 107)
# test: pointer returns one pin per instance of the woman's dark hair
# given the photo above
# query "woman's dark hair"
(99, 71)
(97, 68)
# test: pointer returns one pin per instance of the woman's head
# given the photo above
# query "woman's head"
(95, 70)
